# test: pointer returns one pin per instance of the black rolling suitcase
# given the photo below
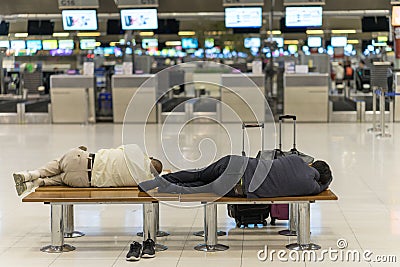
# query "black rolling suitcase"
(246, 214)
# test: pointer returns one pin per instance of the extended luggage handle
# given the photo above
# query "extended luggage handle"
(254, 125)
(281, 118)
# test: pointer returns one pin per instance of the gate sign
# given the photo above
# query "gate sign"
(304, 2)
(136, 3)
(77, 4)
(243, 2)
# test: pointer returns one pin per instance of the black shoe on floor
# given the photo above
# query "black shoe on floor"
(149, 250)
(135, 252)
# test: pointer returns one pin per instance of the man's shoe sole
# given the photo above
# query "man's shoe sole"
(18, 178)
(148, 256)
(133, 259)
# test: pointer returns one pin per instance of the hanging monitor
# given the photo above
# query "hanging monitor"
(139, 19)
(167, 26)
(4, 27)
(243, 17)
(114, 27)
(396, 16)
(17, 44)
(79, 20)
(40, 27)
(307, 16)
(338, 41)
(314, 41)
(375, 24)
(149, 43)
(5, 44)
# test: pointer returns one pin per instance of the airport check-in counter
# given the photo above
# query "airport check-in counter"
(124, 87)
(306, 95)
(72, 98)
(243, 98)
(10, 111)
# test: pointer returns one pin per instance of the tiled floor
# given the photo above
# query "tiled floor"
(366, 178)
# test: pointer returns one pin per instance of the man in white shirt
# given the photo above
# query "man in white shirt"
(115, 167)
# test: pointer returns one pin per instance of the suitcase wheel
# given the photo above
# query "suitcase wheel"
(273, 221)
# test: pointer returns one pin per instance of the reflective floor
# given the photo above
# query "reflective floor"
(366, 179)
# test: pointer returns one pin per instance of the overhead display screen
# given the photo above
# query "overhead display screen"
(79, 20)
(310, 16)
(243, 17)
(5, 44)
(139, 19)
(396, 16)
(50, 44)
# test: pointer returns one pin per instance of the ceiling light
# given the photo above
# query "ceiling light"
(61, 34)
(353, 41)
(173, 43)
(277, 32)
(146, 33)
(113, 43)
(315, 31)
(186, 33)
(291, 42)
(343, 31)
(98, 44)
(21, 34)
(88, 34)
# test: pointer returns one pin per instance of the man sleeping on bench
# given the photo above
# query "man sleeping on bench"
(241, 176)
(116, 167)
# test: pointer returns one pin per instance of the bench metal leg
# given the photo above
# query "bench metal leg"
(150, 224)
(293, 210)
(57, 232)
(303, 230)
(210, 230)
(201, 233)
(69, 223)
(157, 214)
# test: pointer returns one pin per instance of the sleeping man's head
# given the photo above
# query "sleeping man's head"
(325, 174)
(156, 166)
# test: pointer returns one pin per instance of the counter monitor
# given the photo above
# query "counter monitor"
(243, 17)
(66, 44)
(50, 44)
(314, 41)
(79, 20)
(338, 41)
(252, 42)
(139, 19)
(190, 43)
(149, 43)
(17, 44)
(34, 45)
(5, 44)
(87, 44)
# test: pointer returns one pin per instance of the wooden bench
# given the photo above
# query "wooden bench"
(62, 200)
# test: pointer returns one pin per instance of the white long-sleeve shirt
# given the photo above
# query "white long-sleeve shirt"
(126, 165)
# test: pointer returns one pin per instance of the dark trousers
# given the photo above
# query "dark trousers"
(199, 177)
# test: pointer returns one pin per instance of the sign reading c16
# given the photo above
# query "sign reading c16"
(137, 3)
(243, 2)
(70, 4)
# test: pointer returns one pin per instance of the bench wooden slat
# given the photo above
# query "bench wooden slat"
(98, 196)
(326, 195)
(76, 189)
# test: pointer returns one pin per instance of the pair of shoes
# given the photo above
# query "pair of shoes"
(21, 177)
(136, 252)
(24, 187)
